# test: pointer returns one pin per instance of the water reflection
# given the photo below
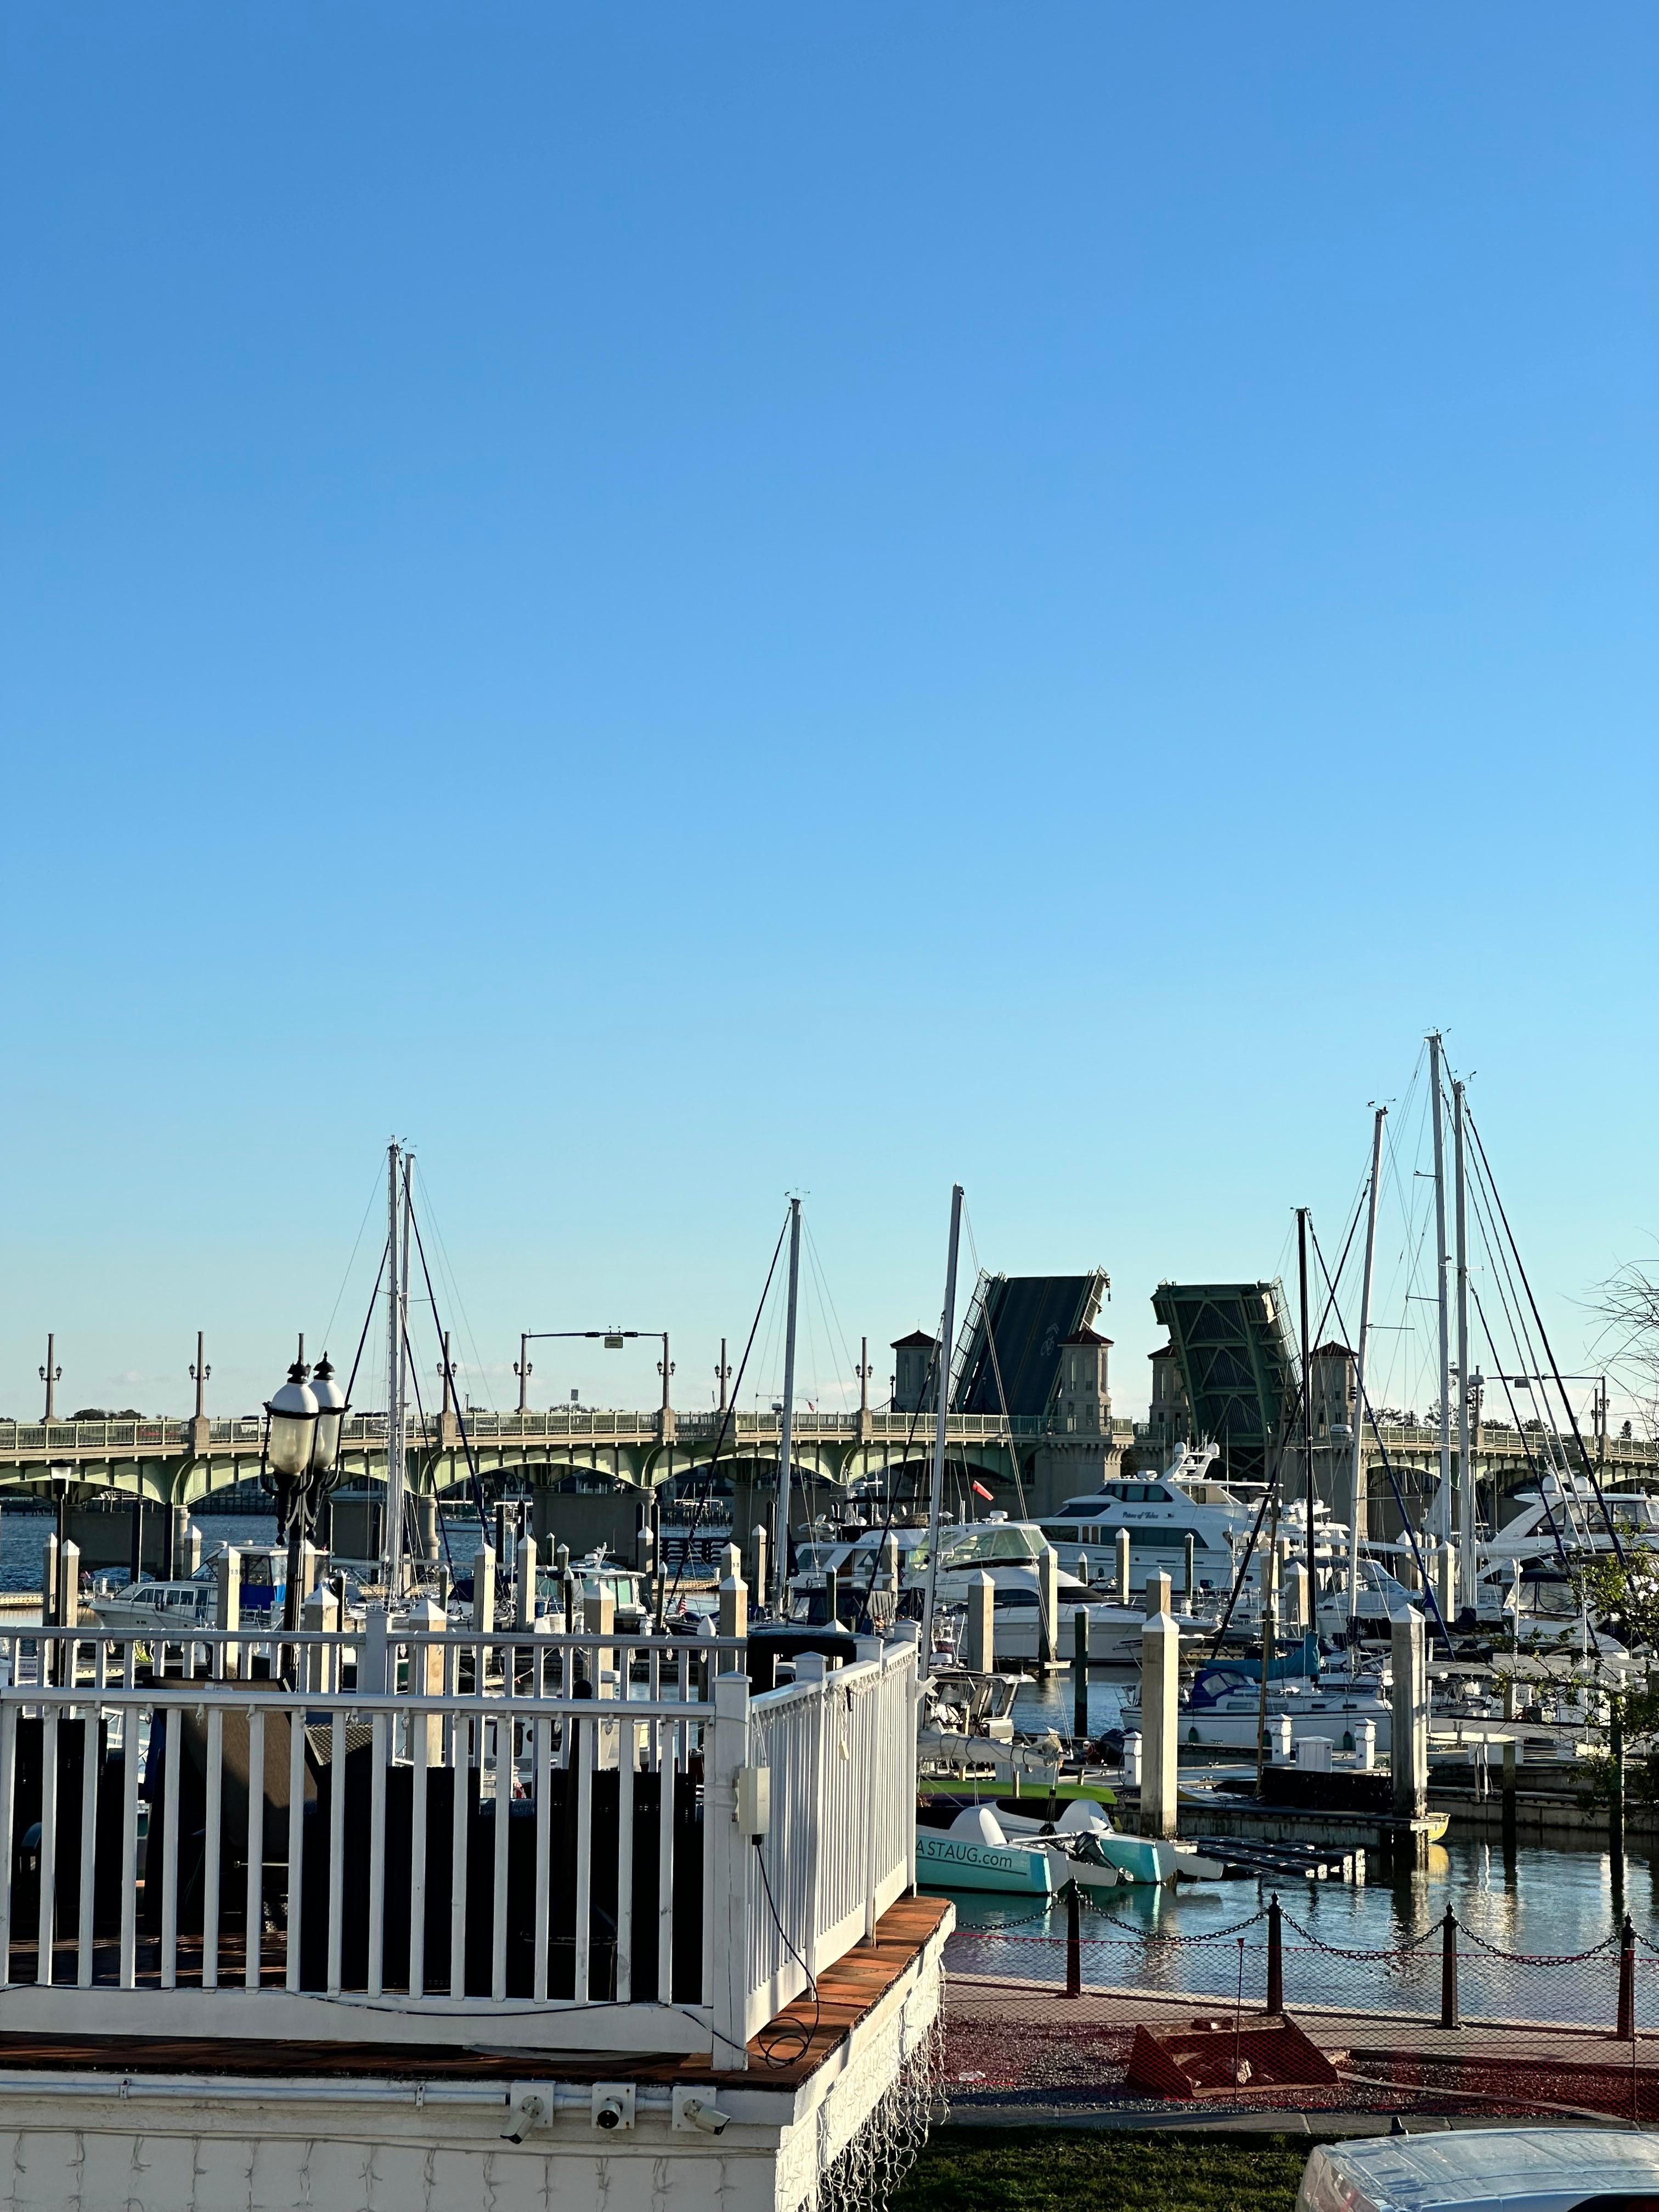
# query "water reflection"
(1550, 1904)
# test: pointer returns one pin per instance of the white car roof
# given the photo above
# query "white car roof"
(1508, 2169)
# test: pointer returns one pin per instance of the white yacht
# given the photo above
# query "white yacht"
(1160, 1512)
(1563, 1513)
(1010, 1553)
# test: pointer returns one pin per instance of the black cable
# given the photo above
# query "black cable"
(779, 2033)
(1543, 1338)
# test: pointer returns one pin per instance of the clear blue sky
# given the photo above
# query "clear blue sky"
(678, 602)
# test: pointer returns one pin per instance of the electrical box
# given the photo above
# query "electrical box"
(755, 1801)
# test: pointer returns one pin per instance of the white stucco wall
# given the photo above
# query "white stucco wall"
(91, 2144)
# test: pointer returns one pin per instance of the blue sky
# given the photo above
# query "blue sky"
(680, 603)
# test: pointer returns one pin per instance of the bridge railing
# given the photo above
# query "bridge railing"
(235, 1858)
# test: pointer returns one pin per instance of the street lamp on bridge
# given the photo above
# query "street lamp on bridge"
(613, 1340)
(51, 1375)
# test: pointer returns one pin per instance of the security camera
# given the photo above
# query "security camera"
(531, 2109)
(613, 2106)
(694, 2112)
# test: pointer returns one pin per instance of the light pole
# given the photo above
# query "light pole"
(51, 1374)
(523, 1371)
(302, 1441)
(200, 1372)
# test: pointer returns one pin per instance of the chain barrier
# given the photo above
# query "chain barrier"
(1149, 1938)
(1535, 1957)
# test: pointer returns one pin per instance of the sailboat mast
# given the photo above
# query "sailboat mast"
(1442, 1265)
(936, 1493)
(787, 1426)
(1307, 1387)
(1467, 1534)
(1359, 1504)
(394, 1363)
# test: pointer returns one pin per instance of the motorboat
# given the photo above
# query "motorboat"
(1011, 1553)
(961, 1703)
(1160, 1513)
(174, 1608)
(1222, 1705)
(1564, 1515)
(968, 1848)
(1083, 1836)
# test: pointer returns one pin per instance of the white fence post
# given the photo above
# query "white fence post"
(372, 1660)
(870, 1651)
(230, 1608)
(909, 1631)
(813, 1666)
(727, 1940)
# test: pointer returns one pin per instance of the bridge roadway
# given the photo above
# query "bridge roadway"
(179, 1462)
(182, 1462)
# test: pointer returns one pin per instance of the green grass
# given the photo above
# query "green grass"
(1101, 2170)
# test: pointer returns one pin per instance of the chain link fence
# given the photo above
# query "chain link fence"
(1444, 2014)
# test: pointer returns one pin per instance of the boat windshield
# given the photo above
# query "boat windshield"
(975, 1547)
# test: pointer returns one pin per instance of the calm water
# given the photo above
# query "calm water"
(22, 1535)
(1546, 1904)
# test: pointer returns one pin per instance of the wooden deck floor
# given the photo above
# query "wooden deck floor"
(786, 2051)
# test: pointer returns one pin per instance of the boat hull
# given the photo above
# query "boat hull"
(946, 1861)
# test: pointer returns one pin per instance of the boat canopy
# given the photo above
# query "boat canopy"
(1223, 1676)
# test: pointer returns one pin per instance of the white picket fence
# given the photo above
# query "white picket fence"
(486, 1856)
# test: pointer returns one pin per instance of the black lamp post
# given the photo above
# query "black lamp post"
(302, 1442)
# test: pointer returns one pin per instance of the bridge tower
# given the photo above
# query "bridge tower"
(1077, 1453)
(913, 1363)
